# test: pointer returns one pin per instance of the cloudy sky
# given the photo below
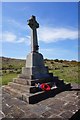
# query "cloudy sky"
(57, 34)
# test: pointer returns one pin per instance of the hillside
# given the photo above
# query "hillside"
(11, 63)
(66, 70)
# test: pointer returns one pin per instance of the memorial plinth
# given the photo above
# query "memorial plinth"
(23, 86)
(35, 67)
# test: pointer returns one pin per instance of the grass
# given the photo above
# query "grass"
(66, 70)
(8, 78)
(69, 74)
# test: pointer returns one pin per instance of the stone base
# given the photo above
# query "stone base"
(35, 72)
(35, 67)
(61, 107)
(34, 59)
(36, 96)
(25, 89)
(42, 95)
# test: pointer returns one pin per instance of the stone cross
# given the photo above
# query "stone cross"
(33, 25)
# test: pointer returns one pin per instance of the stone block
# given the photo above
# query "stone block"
(35, 72)
(32, 82)
(13, 92)
(36, 97)
(34, 59)
(20, 81)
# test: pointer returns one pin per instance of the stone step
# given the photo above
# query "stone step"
(50, 75)
(37, 97)
(55, 78)
(58, 81)
(20, 81)
(13, 92)
(26, 88)
(31, 82)
(22, 88)
(36, 89)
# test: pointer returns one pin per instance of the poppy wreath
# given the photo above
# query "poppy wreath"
(45, 87)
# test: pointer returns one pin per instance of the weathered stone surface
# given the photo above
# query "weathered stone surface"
(71, 107)
(35, 59)
(20, 81)
(57, 103)
(55, 117)
(16, 112)
(2, 115)
(71, 98)
(46, 114)
(66, 114)
(53, 107)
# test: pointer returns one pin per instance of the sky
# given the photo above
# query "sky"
(39, 0)
(57, 32)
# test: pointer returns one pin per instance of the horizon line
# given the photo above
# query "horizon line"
(44, 58)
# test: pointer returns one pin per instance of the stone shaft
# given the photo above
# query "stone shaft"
(34, 42)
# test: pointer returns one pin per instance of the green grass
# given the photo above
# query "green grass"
(66, 70)
(69, 74)
(8, 78)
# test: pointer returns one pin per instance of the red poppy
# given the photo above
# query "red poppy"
(45, 87)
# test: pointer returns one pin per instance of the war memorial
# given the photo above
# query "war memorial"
(22, 99)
